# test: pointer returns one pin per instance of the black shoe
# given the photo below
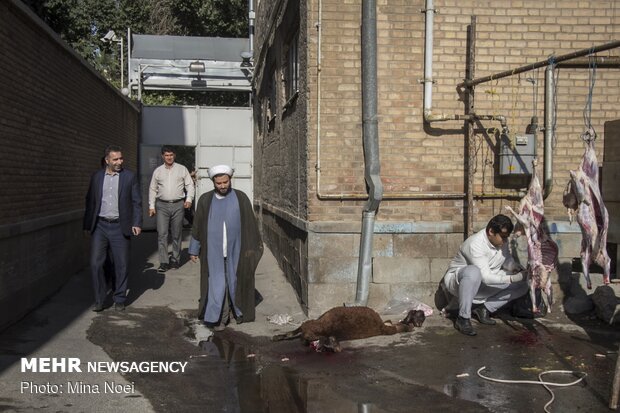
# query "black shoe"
(163, 267)
(464, 326)
(483, 316)
(97, 308)
(119, 306)
(174, 265)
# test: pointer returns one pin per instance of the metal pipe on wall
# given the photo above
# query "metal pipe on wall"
(549, 132)
(469, 127)
(543, 63)
(370, 136)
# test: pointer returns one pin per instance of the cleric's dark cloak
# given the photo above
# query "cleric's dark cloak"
(250, 255)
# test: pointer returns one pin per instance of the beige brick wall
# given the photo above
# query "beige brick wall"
(415, 239)
(415, 159)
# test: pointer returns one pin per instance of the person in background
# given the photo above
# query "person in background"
(170, 193)
(226, 239)
(483, 276)
(113, 212)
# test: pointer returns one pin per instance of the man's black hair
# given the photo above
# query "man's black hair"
(500, 222)
(111, 148)
(166, 148)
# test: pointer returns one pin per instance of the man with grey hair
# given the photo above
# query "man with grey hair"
(226, 239)
(170, 192)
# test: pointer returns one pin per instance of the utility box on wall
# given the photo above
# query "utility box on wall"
(516, 154)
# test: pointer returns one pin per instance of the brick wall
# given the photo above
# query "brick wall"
(417, 157)
(56, 117)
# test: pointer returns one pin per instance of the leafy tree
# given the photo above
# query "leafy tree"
(82, 24)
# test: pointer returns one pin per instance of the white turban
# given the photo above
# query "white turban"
(219, 170)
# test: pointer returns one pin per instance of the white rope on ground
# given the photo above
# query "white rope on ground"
(540, 381)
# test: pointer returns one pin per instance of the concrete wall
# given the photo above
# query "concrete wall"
(56, 117)
(417, 157)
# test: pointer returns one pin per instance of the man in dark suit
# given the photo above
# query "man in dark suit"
(113, 213)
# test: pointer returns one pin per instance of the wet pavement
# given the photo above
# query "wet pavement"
(433, 368)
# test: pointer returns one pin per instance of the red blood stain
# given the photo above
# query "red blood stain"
(528, 338)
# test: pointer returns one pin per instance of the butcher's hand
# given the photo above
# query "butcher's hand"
(194, 258)
(515, 278)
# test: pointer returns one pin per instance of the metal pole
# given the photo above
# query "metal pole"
(551, 60)
(549, 131)
(129, 60)
(122, 66)
(469, 138)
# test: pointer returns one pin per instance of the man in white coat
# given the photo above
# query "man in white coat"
(483, 276)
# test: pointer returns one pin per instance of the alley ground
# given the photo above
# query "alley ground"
(240, 370)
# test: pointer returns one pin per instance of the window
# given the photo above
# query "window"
(292, 70)
(272, 107)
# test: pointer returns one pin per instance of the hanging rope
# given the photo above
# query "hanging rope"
(590, 133)
(540, 381)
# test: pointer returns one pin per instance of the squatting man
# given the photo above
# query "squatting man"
(482, 277)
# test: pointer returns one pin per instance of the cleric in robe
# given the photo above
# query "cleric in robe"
(226, 238)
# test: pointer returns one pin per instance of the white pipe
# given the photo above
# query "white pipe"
(428, 57)
(318, 100)
(129, 60)
(122, 65)
(251, 16)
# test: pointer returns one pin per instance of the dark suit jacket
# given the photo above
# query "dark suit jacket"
(129, 201)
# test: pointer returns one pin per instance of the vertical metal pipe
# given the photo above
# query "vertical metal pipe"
(549, 130)
(251, 16)
(129, 60)
(364, 266)
(122, 65)
(370, 137)
(469, 137)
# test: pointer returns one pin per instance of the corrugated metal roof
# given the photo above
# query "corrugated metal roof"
(146, 46)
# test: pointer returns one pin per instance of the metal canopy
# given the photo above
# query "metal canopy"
(163, 63)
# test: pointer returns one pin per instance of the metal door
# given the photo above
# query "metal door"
(220, 135)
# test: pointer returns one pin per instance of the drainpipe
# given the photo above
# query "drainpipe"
(549, 130)
(370, 137)
(251, 16)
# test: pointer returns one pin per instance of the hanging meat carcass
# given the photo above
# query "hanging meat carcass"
(542, 251)
(584, 201)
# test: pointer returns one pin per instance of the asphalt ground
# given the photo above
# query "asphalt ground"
(433, 368)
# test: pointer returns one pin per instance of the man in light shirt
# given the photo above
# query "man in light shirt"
(171, 192)
(483, 276)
